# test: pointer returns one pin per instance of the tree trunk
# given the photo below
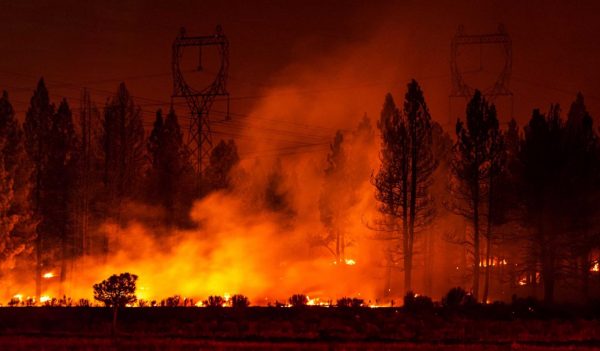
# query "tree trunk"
(476, 259)
(405, 231)
(585, 276)
(337, 247)
(38, 239)
(428, 263)
(486, 284)
(38, 266)
(414, 172)
(63, 264)
(114, 320)
(548, 273)
(407, 264)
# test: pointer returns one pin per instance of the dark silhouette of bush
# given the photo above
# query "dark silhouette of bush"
(239, 301)
(344, 302)
(525, 306)
(117, 290)
(83, 303)
(458, 297)
(298, 300)
(214, 301)
(417, 303)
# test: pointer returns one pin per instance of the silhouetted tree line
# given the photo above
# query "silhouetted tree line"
(51, 162)
(528, 196)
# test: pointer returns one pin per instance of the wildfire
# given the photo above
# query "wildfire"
(18, 297)
(523, 281)
(48, 275)
(347, 261)
(45, 298)
(595, 267)
(495, 262)
(315, 302)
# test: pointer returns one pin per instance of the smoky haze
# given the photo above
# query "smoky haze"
(298, 73)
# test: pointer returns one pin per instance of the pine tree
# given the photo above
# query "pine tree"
(496, 153)
(391, 190)
(60, 184)
(470, 168)
(583, 167)
(404, 180)
(16, 224)
(223, 158)
(123, 152)
(10, 246)
(169, 175)
(543, 161)
(37, 126)
(347, 168)
(422, 165)
(334, 201)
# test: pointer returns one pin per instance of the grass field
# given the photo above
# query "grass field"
(309, 328)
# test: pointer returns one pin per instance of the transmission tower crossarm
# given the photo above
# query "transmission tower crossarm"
(496, 38)
(207, 40)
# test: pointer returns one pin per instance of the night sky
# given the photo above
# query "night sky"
(344, 54)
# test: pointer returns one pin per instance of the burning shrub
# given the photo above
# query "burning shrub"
(117, 290)
(214, 301)
(239, 301)
(417, 303)
(14, 302)
(298, 300)
(83, 303)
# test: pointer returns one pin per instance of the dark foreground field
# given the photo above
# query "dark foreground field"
(308, 328)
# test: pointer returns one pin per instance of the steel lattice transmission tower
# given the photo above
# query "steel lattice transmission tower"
(199, 142)
(500, 87)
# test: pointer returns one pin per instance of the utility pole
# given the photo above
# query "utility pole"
(199, 101)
